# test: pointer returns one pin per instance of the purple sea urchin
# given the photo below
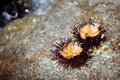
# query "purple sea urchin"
(70, 53)
(89, 34)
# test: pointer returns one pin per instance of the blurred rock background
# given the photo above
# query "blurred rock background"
(14, 9)
(25, 43)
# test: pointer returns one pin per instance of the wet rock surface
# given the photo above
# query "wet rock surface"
(25, 44)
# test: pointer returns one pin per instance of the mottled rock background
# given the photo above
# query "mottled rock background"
(25, 44)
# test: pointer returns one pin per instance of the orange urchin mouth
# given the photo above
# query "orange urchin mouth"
(70, 50)
(89, 30)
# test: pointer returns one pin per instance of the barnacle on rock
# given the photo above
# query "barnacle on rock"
(70, 53)
(89, 34)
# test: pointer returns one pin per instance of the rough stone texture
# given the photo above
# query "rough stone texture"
(25, 44)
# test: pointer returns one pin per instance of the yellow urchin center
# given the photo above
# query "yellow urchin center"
(70, 50)
(89, 30)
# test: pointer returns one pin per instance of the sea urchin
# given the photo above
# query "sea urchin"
(70, 54)
(89, 34)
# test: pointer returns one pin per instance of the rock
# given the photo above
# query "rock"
(25, 44)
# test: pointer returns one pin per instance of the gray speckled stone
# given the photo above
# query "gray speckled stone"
(25, 44)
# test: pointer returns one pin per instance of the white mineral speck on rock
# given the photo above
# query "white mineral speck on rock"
(34, 20)
(73, 3)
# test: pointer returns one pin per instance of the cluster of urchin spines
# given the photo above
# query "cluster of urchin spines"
(85, 44)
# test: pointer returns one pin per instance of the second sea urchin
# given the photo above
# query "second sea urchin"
(70, 53)
(89, 34)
